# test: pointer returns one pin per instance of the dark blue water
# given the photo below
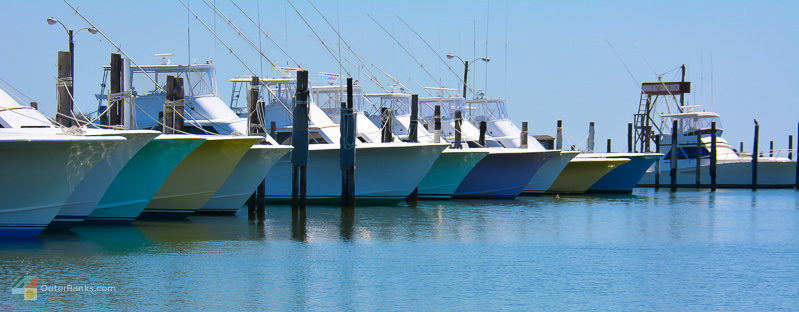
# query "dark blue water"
(734, 250)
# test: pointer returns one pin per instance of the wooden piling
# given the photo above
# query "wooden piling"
(115, 107)
(559, 136)
(797, 161)
(741, 150)
(482, 138)
(524, 135)
(254, 126)
(273, 130)
(386, 117)
(173, 106)
(299, 140)
(589, 144)
(64, 90)
(790, 146)
(698, 158)
(347, 150)
(35, 105)
(458, 121)
(755, 155)
(771, 149)
(413, 135)
(657, 164)
(674, 154)
(629, 137)
(713, 156)
(437, 124)
(608, 149)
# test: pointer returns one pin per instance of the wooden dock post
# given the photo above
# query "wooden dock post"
(115, 103)
(458, 121)
(35, 105)
(524, 135)
(742, 148)
(559, 136)
(608, 149)
(254, 126)
(790, 146)
(755, 155)
(657, 164)
(698, 157)
(173, 106)
(299, 140)
(713, 156)
(674, 154)
(629, 137)
(589, 144)
(347, 150)
(437, 124)
(771, 149)
(413, 132)
(273, 130)
(797, 161)
(387, 118)
(64, 90)
(482, 138)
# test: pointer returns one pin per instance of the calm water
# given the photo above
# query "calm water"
(732, 250)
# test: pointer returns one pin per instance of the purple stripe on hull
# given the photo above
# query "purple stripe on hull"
(501, 175)
(21, 232)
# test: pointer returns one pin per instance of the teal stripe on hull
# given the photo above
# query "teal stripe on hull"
(447, 173)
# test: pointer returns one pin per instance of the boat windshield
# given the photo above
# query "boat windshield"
(691, 123)
(198, 80)
(448, 106)
(329, 98)
(400, 103)
(486, 109)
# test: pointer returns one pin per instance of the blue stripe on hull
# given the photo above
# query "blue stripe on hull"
(21, 231)
(624, 178)
(501, 176)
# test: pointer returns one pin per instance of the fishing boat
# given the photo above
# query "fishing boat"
(85, 197)
(504, 172)
(127, 197)
(217, 172)
(40, 171)
(572, 174)
(661, 104)
(449, 169)
(624, 178)
(386, 172)
(733, 168)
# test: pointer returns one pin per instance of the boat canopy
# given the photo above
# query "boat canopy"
(448, 106)
(486, 109)
(691, 122)
(399, 102)
(329, 98)
(198, 79)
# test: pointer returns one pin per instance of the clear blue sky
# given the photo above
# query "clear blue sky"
(559, 64)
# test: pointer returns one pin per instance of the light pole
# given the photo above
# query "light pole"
(466, 68)
(70, 34)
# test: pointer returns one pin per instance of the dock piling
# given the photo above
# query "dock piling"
(673, 154)
(629, 137)
(608, 149)
(771, 149)
(273, 130)
(413, 135)
(523, 135)
(755, 155)
(254, 126)
(35, 105)
(790, 146)
(657, 164)
(458, 121)
(299, 140)
(559, 136)
(589, 144)
(115, 107)
(797, 161)
(713, 156)
(347, 150)
(482, 138)
(437, 124)
(173, 106)
(698, 157)
(386, 117)
(64, 90)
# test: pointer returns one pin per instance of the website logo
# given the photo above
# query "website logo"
(25, 286)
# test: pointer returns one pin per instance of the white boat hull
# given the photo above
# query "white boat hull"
(774, 173)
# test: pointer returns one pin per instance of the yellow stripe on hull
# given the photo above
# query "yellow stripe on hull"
(580, 174)
(192, 183)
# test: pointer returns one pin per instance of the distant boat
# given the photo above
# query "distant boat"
(734, 169)
(220, 174)
(386, 172)
(504, 172)
(450, 168)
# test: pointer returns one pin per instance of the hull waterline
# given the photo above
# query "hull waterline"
(141, 178)
(197, 178)
(448, 172)
(385, 172)
(503, 173)
(581, 173)
(244, 179)
(39, 174)
(548, 173)
(625, 177)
